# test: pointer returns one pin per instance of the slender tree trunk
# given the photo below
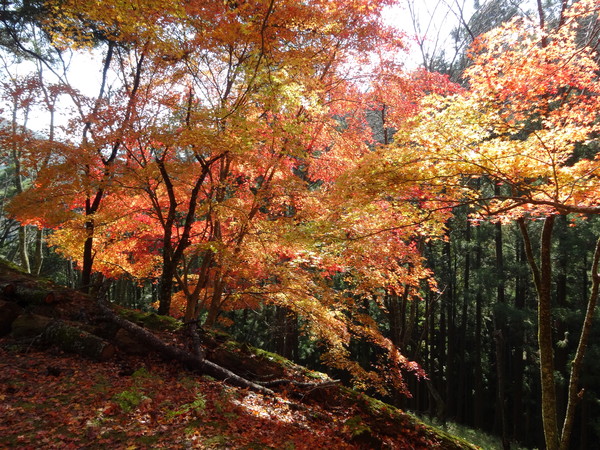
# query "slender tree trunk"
(443, 372)
(574, 394)
(286, 333)
(16, 156)
(23, 251)
(518, 337)
(88, 257)
(462, 375)
(501, 393)
(38, 256)
(501, 331)
(478, 382)
(543, 281)
(393, 313)
(451, 382)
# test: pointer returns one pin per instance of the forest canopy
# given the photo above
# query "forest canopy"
(273, 168)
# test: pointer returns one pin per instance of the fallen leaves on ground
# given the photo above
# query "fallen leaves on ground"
(54, 400)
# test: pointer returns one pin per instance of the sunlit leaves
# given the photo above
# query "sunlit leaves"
(532, 102)
(227, 150)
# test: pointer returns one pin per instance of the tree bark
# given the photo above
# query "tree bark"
(75, 340)
(88, 258)
(574, 394)
(478, 388)
(542, 276)
(38, 256)
(461, 405)
(29, 295)
(518, 363)
(9, 311)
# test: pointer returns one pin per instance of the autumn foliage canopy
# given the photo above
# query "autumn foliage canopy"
(211, 160)
(237, 154)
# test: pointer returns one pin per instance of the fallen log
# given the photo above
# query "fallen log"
(68, 338)
(301, 384)
(28, 295)
(29, 325)
(75, 340)
(9, 311)
(170, 352)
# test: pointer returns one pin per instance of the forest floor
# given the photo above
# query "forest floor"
(50, 398)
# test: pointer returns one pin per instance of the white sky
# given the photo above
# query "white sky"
(434, 21)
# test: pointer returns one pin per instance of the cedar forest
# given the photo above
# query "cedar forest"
(274, 170)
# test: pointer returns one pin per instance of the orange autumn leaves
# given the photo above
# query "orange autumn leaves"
(211, 151)
(240, 155)
(528, 121)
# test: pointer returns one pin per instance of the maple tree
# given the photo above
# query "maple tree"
(257, 165)
(208, 159)
(528, 124)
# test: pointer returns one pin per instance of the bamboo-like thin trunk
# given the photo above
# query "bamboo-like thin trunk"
(574, 394)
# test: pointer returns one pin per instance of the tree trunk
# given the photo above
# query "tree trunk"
(543, 281)
(501, 393)
(23, 254)
(451, 347)
(216, 300)
(461, 404)
(38, 257)
(391, 302)
(518, 364)
(478, 387)
(88, 258)
(16, 156)
(574, 394)
(501, 330)
(286, 334)
(165, 287)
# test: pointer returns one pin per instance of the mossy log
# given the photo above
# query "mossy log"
(29, 325)
(128, 344)
(9, 311)
(29, 295)
(75, 340)
(194, 360)
(245, 362)
(68, 338)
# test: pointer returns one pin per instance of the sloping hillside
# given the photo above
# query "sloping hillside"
(70, 377)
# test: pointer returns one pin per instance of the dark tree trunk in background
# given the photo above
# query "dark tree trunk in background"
(479, 394)
(500, 333)
(450, 394)
(286, 338)
(462, 397)
(518, 339)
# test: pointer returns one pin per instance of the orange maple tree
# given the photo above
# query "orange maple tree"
(212, 160)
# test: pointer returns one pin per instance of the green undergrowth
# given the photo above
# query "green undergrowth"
(480, 438)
